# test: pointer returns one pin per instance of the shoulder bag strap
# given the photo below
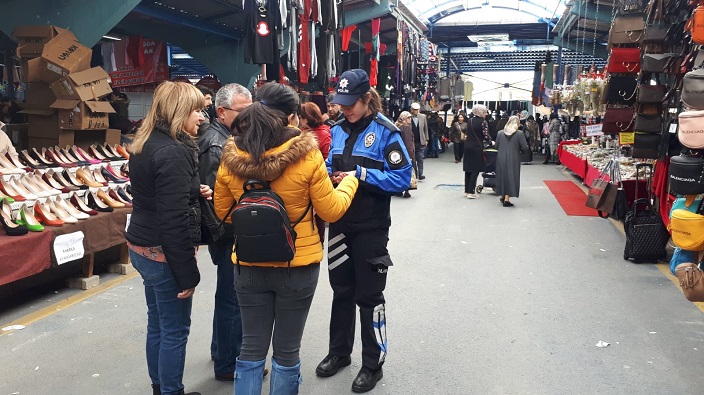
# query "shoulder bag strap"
(229, 211)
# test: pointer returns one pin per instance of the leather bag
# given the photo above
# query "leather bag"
(649, 108)
(627, 30)
(602, 193)
(656, 34)
(655, 62)
(693, 89)
(691, 281)
(687, 230)
(691, 130)
(212, 229)
(617, 120)
(648, 123)
(686, 175)
(646, 145)
(646, 235)
(626, 7)
(697, 25)
(624, 60)
(620, 90)
(651, 93)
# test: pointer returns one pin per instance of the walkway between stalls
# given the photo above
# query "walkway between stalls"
(481, 299)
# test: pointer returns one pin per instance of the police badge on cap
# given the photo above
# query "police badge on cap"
(353, 84)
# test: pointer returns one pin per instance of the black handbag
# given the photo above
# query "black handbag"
(648, 123)
(655, 62)
(212, 229)
(625, 7)
(621, 90)
(686, 175)
(646, 146)
(646, 235)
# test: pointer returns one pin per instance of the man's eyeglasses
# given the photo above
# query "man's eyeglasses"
(231, 109)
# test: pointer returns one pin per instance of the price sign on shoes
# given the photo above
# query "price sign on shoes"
(69, 247)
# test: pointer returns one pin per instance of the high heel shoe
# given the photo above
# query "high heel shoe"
(108, 200)
(50, 154)
(97, 204)
(43, 159)
(124, 195)
(66, 154)
(69, 208)
(21, 190)
(6, 198)
(110, 152)
(95, 173)
(79, 153)
(110, 176)
(84, 176)
(29, 220)
(43, 184)
(59, 212)
(71, 178)
(7, 189)
(44, 215)
(79, 204)
(14, 159)
(122, 151)
(8, 168)
(116, 174)
(11, 227)
(114, 196)
(33, 189)
(49, 178)
(94, 150)
(25, 157)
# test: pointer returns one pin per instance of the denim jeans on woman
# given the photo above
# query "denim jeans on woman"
(168, 323)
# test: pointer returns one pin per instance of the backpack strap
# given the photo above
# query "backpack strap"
(310, 204)
(229, 211)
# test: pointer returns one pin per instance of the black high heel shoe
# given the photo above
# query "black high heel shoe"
(97, 204)
(11, 228)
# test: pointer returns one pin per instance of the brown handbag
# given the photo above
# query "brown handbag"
(627, 30)
(602, 194)
(691, 281)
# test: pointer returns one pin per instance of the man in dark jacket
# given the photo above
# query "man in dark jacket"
(230, 100)
(334, 114)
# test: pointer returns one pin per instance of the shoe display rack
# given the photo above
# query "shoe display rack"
(57, 191)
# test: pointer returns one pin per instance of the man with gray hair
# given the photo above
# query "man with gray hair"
(230, 100)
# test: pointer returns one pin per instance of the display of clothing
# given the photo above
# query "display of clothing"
(263, 24)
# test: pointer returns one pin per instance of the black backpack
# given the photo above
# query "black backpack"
(262, 229)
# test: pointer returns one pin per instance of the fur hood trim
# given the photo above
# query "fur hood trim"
(273, 162)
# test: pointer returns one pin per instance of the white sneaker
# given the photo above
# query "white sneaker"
(472, 196)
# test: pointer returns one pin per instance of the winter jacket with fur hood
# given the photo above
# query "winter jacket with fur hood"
(297, 173)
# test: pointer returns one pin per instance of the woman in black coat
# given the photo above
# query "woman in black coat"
(473, 159)
(165, 225)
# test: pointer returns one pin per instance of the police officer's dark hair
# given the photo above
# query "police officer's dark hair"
(372, 99)
(263, 125)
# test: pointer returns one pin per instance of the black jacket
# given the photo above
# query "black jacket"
(210, 145)
(166, 213)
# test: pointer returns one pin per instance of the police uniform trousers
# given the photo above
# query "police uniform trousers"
(357, 264)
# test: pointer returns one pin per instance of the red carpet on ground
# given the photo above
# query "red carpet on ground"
(571, 198)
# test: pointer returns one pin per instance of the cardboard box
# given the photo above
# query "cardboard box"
(38, 95)
(80, 138)
(32, 70)
(82, 115)
(113, 136)
(91, 84)
(64, 138)
(31, 39)
(42, 123)
(61, 56)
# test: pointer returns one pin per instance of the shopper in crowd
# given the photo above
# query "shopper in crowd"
(419, 126)
(433, 135)
(554, 138)
(510, 142)
(532, 131)
(208, 94)
(500, 124)
(165, 225)
(370, 145)
(334, 114)
(473, 158)
(311, 120)
(230, 100)
(274, 296)
(457, 134)
(404, 125)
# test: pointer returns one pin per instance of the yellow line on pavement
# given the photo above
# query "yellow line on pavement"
(68, 302)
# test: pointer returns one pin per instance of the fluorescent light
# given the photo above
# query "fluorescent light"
(488, 37)
(181, 56)
(112, 38)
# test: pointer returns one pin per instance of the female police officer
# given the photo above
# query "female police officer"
(370, 145)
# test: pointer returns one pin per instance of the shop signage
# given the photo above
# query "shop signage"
(154, 68)
(68, 247)
(626, 138)
(592, 130)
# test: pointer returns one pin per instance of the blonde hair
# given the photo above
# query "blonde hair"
(172, 105)
(402, 118)
(512, 124)
(480, 110)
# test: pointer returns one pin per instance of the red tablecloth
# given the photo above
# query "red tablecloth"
(571, 161)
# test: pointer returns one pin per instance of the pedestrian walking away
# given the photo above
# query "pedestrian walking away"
(370, 145)
(510, 142)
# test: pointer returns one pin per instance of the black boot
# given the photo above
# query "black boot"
(366, 379)
(331, 364)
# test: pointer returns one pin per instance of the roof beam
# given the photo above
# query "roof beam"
(179, 18)
(581, 7)
(364, 14)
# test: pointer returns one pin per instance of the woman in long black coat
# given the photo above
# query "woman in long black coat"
(510, 142)
(473, 159)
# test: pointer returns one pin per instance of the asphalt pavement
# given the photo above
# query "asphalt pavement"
(481, 299)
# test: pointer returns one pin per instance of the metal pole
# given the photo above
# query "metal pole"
(558, 77)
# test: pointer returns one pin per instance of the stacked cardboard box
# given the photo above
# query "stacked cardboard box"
(63, 92)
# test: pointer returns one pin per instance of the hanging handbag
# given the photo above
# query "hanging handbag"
(655, 62)
(620, 90)
(648, 123)
(693, 89)
(649, 108)
(687, 230)
(691, 281)
(212, 229)
(696, 27)
(602, 193)
(624, 60)
(627, 30)
(656, 34)
(686, 175)
(645, 146)
(626, 7)
(617, 120)
(691, 130)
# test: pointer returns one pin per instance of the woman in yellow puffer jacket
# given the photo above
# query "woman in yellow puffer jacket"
(271, 296)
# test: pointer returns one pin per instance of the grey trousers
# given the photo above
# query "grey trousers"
(274, 300)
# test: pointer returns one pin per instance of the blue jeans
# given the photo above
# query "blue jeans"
(432, 147)
(168, 323)
(227, 322)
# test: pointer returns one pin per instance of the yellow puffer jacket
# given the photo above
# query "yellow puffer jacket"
(299, 176)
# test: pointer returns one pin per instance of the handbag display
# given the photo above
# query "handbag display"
(646, 145)
(697, 26)
(693, 89)
(655, 63)
(686, 175)
(617, 120)
(627, 30)
(624, 60)
(649, 108)
(691, 130)
(656, 34)
(651, 93)
(691, 281)
(620, 90)
(625, 7)
(687, 230)
(602, 193)
(648, 123)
